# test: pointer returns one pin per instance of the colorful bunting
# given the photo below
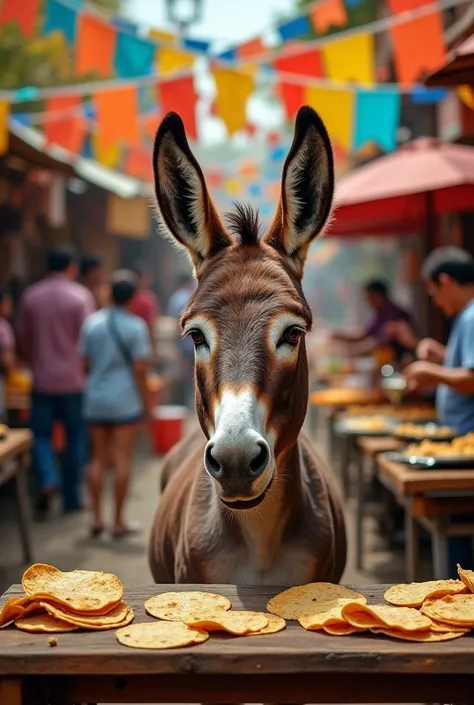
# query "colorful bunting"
(179, 95)
(377, 118)
(65, 124)
(397, 6)
(252, 48)
(150, 124)
(202, 47)
(22, 12)
(229, 55)
(139, 164)
(297, 27)
(108, 155)
(171, 60)
(336, 109)
(59, 18)
(158, 35)
(123, 25)
(307, 63)
(134, 56)
(95, 46)
(350, 59)
(327, 14)
(233, 89)
(418, 47)
(4, 115)
(117, 118)
(292, 96)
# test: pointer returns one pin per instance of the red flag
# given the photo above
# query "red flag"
(179, 95)
(254, 47)
(23, 12)
(138, 164)
(65, 125)
(292, 96)
(306, 63)
(95, 48)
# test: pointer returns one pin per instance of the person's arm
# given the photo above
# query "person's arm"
(430, 350)
(421, 375)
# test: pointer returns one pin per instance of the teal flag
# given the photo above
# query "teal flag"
(377, 118)
(59, 18)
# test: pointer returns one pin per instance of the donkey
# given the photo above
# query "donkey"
(246, 499)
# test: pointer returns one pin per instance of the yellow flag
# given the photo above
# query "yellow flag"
(161, 36)
(336, 109)
(233, 90)
(466, 94)
(107, 156)
(171, 60)
(350, 59)
(4, 115)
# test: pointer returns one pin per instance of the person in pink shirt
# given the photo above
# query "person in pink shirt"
(145, 304)
(49, 323)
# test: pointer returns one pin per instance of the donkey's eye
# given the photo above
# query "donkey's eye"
(291, 336)
(197, 337)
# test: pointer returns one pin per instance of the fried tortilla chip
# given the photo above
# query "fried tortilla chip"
(238, 622)
(385, 616)
(419, 636)
(457, 610)
(414, 594)
(302, 599)
(171, 606)
(119, 616)
(78, 590)
(43, 623)
(275, 624)
(160, 635)
(327, 614)
(467, 576)
(341, 628)
(17, 607)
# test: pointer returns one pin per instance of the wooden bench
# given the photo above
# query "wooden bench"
(293, 666)
(428, 498)
(14, 464)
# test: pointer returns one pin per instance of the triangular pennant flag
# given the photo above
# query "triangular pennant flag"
(418, 48)
(199, 45)
(117, 117)
(159, 35)
(377, 118)
(95, 47)
(23, 12)
(327, 14)
(134, 56)
(252, 48)
(306, 63)
(108, 155)
(60, 18)
(179, 95)
(233, 89)
(4, 115)
(336, 109)
(360, 67)
(297, 27)
(292, 96)
(65, 124)
(171, 60)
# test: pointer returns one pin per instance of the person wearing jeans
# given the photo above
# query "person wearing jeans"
(49, 323)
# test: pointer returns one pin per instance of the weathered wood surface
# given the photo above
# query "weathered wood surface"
(293, 651)
(17, 442)
(409, 481)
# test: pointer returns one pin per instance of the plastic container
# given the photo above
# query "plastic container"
(167, 427)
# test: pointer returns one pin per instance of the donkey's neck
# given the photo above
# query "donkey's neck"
(263, 528)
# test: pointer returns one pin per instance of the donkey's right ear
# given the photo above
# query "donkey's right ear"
(183, 201)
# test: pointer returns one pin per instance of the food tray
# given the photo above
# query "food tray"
(428, 436)
(432, 462)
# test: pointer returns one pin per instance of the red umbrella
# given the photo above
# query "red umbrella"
(401, 192)
(458, 68)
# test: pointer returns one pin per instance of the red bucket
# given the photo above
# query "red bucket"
(167, 427)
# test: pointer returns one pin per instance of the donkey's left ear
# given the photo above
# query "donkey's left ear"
(307, 190)
(184, 203)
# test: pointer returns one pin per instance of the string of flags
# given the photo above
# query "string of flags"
(107, 117)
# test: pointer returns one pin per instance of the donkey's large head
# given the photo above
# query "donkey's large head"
(248, 317)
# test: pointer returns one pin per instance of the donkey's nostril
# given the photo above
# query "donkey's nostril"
(260, 460)
(213, 467)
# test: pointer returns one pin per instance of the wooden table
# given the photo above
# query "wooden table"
(294, 666)
(14, 464)
(428, 498)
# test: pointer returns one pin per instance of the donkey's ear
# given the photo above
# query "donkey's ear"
(306, 192)
(183, 201)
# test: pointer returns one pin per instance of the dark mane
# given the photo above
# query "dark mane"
(244, 223)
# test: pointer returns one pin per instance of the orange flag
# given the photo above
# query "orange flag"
(330, 13)
(150, 124)
(117, 117)
(292, 96)
(179, 95)
(138, 164)
(23, 12)
(418, 47)
(397, 6)
(95, 46)
(65, 124)
(252, 48)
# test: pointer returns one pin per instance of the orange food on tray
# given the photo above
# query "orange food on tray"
(345, 396)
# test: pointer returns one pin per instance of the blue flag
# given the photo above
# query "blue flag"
(59, 18)
(377, 118)
(134, 56)
(298, 27)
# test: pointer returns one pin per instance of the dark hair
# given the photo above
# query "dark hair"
(124, 285)
(61, 257)
(139, 268)
(90, 261)
(376, 286)
(456, 263)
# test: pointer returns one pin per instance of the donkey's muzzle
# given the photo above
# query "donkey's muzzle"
(237, 467)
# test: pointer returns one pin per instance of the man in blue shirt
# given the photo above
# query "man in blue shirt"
(449, 276)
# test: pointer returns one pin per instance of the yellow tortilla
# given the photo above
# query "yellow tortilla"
(43, 623)
(414, 594)
(385, 616)
(467, 576)
(159, 635)
(302, 599)
(238, 622)
(171, 606)
(275, 624)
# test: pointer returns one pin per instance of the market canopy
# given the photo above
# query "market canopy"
(458, 68)
(394, 194)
